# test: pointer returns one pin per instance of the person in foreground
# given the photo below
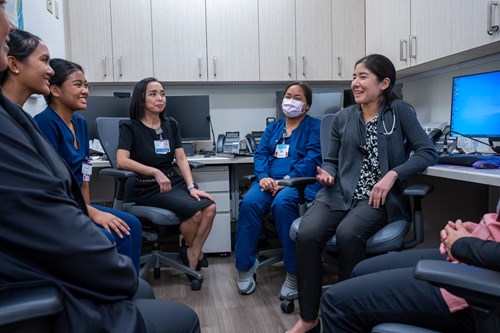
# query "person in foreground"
(364, 173)
(383, 288)
(67, 132)
(46, 236)
(148, 144)
(290, 147)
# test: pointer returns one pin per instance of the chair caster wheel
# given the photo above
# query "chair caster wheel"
(287, 306)
(156, 273)
(196, 284)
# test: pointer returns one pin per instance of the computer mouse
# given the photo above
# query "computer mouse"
(484, 164)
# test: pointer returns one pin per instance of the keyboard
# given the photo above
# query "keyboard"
(467, 159)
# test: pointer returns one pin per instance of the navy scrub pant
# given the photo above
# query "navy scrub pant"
(129, 246)
(384, 290)
(254, 205)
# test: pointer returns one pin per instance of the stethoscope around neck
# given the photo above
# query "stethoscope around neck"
(362, 145)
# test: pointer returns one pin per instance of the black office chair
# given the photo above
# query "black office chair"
(156, 222)
(392, 237)
(479, 286)
(29, 309)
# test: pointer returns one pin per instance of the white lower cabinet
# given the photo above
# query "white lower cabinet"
(215, 180)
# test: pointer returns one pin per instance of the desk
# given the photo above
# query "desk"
(460, 193)
(467, 174)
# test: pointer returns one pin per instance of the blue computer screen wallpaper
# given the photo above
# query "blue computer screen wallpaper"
(475, 105)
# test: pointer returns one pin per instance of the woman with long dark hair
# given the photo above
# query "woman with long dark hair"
(67, 132)
(364, 175)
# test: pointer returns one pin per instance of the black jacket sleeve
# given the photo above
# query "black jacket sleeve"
(477, 252)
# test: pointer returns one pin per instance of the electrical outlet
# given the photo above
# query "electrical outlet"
(50, 6)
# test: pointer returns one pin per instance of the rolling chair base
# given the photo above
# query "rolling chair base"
(156, 259)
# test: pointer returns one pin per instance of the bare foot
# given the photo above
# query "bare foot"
(302, 326)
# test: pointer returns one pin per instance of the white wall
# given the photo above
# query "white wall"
(430, 93)
(39, 21)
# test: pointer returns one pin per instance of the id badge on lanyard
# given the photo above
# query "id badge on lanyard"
(86, 171)
(282, 148)
(162, 147)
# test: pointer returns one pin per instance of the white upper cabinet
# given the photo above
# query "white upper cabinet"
(179, 40)
(277, 40)
(232, 40)
(132, 39)
(409, 32)
(111, 39)
(89, 35)
(388, 30)
(348, 36)
(430, 37)
(474, 24)
(313, 22)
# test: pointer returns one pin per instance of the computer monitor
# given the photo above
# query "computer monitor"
(193, 115)
(323, 102)
(475, 105)
(191, 112)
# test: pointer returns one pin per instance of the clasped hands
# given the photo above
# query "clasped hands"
(270, 185)
(450, 233)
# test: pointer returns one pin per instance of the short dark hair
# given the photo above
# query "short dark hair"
(62, 69)
(305, 87)
(383, 68)
(138, 100)
(21, 44)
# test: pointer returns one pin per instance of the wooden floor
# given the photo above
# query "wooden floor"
(219, 306)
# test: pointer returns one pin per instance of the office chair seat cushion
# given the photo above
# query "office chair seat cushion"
(389, 238)
(399, 328)
(154, 215)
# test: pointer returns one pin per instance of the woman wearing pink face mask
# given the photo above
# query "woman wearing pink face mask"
(290, 147)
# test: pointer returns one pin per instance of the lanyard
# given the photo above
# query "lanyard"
(159, 131)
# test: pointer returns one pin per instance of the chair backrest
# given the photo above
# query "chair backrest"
(326, 132)
(108, 133)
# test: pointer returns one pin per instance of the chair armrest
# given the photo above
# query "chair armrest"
(249, 178)
(299, 182)
(117, 173)
(195, 164)
(473, 283)
(20, 304)
(420, 190)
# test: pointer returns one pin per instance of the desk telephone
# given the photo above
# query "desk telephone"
(228, 143)
(437, 132)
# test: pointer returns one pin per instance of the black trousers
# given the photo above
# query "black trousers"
(164, 316)
(352, 228)
(383, 290)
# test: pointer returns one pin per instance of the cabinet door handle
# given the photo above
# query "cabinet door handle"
(339, 60)
(413, 47)
(289, 66)
(199, 66)
(403, 50)
(120, 66)
(215, 66)
(105, 65)
(303, 65)
(491, 29)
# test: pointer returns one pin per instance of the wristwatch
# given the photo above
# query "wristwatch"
(192, 185)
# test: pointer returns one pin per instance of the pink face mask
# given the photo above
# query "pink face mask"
(291, 107)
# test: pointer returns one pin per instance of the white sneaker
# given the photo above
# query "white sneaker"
(246, 279)
(289, 286)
